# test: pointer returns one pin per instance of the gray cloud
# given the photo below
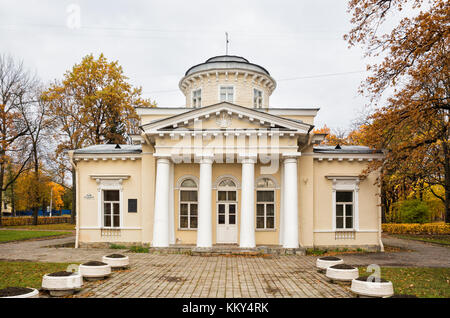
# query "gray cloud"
(156, 41)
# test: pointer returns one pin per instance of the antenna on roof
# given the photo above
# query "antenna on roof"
(338, 147)
(227, 43)
(117, 146)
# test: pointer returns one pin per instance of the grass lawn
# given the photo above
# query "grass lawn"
(51, 227)
(17, 235)
(421, 282)
(438, 239)
(26, 274)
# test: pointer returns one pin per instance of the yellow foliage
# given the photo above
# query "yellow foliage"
(427, 228)
(28, 220)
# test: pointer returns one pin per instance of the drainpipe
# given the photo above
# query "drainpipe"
(77, 222)
(379, 223)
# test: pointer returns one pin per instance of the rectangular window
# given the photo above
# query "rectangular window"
(111, 208)
(344, 209)
(227, 94)
(197, 98)
(257, 98)
(188, 209)
(132, 205)
(265, 209)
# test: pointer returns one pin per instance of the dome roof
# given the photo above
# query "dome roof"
(226, 62)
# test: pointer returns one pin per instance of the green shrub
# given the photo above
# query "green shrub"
(139, 249)
(413, 211)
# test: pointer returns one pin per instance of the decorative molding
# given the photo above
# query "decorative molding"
(187, 176)
(227, 176)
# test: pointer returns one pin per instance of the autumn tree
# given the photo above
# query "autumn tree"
(93, 104)
(16, 91)
(413, 77)
(35, 116)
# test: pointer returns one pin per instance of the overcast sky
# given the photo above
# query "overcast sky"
(299, 42)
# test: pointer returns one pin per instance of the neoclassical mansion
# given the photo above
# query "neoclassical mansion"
(227, 169)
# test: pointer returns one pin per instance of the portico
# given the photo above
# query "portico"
(230, 214)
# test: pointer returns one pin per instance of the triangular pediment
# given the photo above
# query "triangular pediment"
(225, 116)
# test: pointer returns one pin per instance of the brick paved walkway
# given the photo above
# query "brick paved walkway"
(177, 275)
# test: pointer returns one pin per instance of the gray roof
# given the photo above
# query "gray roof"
(226, 62)
(346, 149)
(109, 149)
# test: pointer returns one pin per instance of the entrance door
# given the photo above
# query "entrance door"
(227, 213)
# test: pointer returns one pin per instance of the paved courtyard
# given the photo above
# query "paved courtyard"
(180, 275)
(183, 276)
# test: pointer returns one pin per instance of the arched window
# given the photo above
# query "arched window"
(188, 204)
(265, 204)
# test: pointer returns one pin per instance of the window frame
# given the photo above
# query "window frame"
(226, 99)
(193, 98)
(189, 205)
(227, 202)
(344, 211)
(265, 203)
(345, 183)
(112, 210)
(255, 89)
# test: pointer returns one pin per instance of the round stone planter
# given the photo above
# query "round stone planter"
(323, 263)
(116, 261)
(95, 270)
(19, 292)
(342, 273)
(62, 283)
(362, 288)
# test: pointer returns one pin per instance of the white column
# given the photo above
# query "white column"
(204, 230)
(247, 230)
(290, 204)
(171, 205)
(161, 212)
(281, 234)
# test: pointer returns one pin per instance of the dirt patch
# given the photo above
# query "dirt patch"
(173, 279)
(60, 274)
(343, 266)
(94, 263)
(14, 291)
(116, 256)
(329, 258)
(404, 296)
(375, 280)
(271, 290)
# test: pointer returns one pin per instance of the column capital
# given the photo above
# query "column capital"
(248, 158)
(206, 158)
(291, 155)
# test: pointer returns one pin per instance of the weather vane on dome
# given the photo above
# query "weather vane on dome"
(227, 43)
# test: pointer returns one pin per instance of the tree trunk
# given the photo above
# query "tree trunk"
(35, 215)
(2, 174)
(13, 200)
(74, 196)
(447, 181)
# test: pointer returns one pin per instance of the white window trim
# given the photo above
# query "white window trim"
(346, 184)
(192, 97)
(112, 210)
(262, 97)
(226, 188)
(179, 188)
(109, 183)
(274, 189)
(234, 93)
